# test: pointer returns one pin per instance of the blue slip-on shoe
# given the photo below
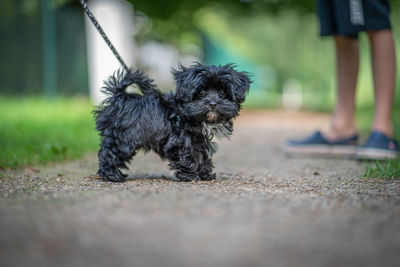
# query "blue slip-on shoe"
(378, 146)
(317, 145)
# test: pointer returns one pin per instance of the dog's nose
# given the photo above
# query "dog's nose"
(213, 104)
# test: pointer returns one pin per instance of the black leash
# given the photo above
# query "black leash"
(103, 34)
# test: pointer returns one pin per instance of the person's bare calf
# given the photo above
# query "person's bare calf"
(384, 73)
(347, 64)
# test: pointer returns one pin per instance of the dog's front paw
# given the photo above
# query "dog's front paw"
(186, 177)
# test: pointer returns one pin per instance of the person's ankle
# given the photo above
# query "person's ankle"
(335, 133)
(385, 129)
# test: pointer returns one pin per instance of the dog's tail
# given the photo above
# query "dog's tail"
(121, 79)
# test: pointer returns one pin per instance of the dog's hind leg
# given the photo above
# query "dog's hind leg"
(112, 157)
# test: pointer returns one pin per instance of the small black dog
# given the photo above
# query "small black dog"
(179, 126)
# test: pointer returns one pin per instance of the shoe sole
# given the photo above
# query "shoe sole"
(322, 150)
(375, 154)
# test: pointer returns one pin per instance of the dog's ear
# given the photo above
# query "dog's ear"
(185, 79)
(240, 85)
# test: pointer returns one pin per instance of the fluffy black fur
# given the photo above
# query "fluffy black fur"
(179, 126)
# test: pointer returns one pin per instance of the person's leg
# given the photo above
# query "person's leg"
(384, 73)
(347, 64)
(340, 138)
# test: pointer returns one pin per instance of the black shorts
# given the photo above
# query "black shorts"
(349, 17)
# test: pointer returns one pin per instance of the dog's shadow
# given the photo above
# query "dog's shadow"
(153, 176)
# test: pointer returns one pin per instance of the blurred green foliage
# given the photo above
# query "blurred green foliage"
(21, 51)
(35, 131)
(173, 21)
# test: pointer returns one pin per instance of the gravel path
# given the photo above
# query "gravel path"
(263, 210)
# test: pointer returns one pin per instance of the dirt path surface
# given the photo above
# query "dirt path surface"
(263, 210)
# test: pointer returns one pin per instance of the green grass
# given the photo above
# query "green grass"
(36, 131)
(389, 169)
(386, 169)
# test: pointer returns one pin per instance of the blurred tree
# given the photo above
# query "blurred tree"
(21, 47)
(173, 19)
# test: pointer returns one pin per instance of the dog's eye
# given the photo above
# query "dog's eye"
(202, 93)
(221, 93)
